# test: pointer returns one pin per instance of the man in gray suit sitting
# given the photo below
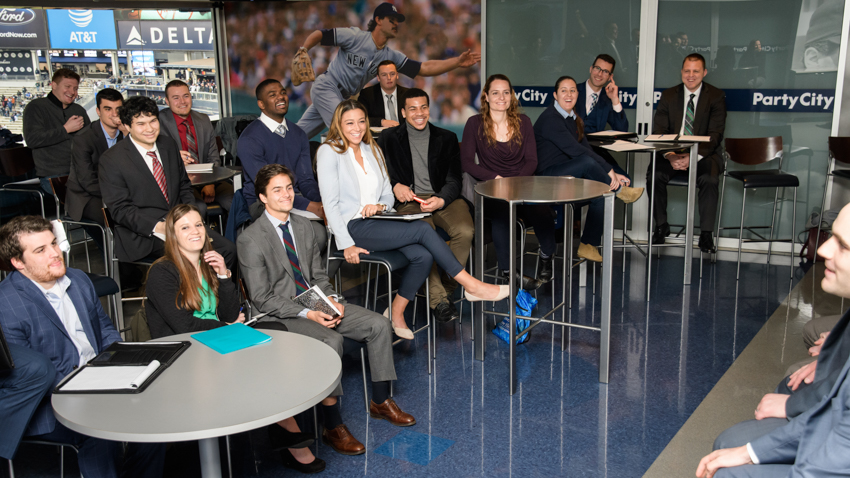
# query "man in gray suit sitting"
(195, 139)
(279, 259)
(814, 443)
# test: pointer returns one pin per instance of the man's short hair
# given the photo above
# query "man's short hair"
(61, 73)
(415, 93)
(262, 86)
(694, 57)
(269, 172)
(137, 106)
(108, 94)
(387, 63)
(10, 237)
(680, 34)
(606, 58)
(174, 84)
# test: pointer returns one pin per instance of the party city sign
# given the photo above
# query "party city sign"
(82, 29)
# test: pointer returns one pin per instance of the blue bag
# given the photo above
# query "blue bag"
(525, 303)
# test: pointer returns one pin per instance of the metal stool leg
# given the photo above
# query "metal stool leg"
(363, 366)
(794, 235)
(741, 233)
(772, 223)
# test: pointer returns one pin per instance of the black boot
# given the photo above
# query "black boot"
(546, 269)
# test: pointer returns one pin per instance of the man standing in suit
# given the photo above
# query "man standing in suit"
(56, 312)
(83, 199)
(383, 101)
(599, 105)
(141, 180)
(423, 162)
(195, 137)
(50, 123)
(280, 259)
(815, 443)
(691, 108)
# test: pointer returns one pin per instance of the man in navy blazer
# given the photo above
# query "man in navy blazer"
(55, 311)
(815, 443)
(599, 105)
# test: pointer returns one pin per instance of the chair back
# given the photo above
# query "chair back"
(16, 161)
(59, 186)
(753, 151)
(107, 219)
(839, 148)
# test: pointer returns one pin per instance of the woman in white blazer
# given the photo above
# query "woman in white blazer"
(354, 184)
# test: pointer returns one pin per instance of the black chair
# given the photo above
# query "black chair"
(839, 152)
(18, 162)
(753, 152)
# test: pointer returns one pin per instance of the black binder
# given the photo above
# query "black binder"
(127, 354)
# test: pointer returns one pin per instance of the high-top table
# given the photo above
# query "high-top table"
(204, 395)
(545, 190)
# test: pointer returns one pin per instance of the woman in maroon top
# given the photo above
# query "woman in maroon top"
(503, 139)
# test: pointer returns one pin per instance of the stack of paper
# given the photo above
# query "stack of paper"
(200, 168)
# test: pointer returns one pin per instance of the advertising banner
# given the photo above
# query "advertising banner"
(82, 29)
(16, 62)
(22, 28)
(166, 35)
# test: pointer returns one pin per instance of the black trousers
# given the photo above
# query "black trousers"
(708, 173)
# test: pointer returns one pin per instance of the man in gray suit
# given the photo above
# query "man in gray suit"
(195, 139)
(279, 259)
(814, 443)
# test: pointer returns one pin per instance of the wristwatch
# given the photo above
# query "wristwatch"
(224, 276)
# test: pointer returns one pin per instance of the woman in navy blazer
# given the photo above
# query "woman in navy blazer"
(354, 184)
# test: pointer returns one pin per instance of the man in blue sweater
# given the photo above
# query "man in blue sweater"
(270, 139)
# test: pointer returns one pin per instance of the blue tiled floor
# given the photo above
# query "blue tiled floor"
(665, 357)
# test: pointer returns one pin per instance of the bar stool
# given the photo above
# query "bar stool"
(752, 152)
(839, 152)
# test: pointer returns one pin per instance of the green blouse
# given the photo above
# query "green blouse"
(208, 302)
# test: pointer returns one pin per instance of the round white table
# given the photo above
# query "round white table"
(204, 395)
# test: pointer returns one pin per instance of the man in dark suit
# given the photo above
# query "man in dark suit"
(142, 178)
(195, 137)
(599, 105)
(279, 259)
(56, 312)
(83, 199)
(691, 108)
(814, 443)
(383, 101)
(21, 391)
(423, 162)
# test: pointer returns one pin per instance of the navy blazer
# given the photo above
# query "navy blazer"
(29, 320)
(709, 118)
(816, 442)
(602, 114)
(557, 141)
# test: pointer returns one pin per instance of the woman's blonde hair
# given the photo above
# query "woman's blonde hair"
(514, 122)
(337, 140)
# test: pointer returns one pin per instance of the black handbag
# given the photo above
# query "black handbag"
(6, 362)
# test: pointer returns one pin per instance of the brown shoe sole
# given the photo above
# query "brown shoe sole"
(341, 452)
(381, 417)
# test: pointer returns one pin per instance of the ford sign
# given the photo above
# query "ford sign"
(16, 17)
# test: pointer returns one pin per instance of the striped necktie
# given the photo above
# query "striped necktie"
(689, 117)
(159, 174)
(300, 283)
(594, 97)
(190, 140)
(281, 131)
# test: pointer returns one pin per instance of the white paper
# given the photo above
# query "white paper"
(199, 168)
(695, 139)
(661, 137)
(110, 377)
(607, 133)
(626, 146)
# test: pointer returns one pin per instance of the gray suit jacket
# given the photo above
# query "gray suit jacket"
(266, 269)
(204, 132)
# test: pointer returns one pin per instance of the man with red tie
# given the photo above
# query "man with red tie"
(141, 179)
(195, 138)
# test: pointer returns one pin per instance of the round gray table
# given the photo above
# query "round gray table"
(218, 175)
(545, 190)
(204, 395)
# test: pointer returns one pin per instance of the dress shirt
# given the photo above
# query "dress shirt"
(752, 454)
(110, 140)
(271, 124)
(588, 100)
(64, 307)
(387, 109)
(184, 143)
(367, 180)
(276, 223)
(149, 162)
(563, 112)
(688, 94)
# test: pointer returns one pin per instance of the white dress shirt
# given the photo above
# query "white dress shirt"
(387, 109)
(64, 307)
(149, 162)
(367, 180)
(588, 100)
(271, 124)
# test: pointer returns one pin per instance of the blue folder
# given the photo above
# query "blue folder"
(231, 338)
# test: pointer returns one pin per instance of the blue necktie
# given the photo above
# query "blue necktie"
(300, 283)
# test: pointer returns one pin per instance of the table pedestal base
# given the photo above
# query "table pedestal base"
(210, 458)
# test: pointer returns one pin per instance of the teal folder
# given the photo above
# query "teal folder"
(231, 338)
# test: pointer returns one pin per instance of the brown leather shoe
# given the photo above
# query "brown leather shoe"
(390, 412)
(342, 441)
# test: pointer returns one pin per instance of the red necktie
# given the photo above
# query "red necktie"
(159, 174)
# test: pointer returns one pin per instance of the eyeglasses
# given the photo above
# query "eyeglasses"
(600, 70)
